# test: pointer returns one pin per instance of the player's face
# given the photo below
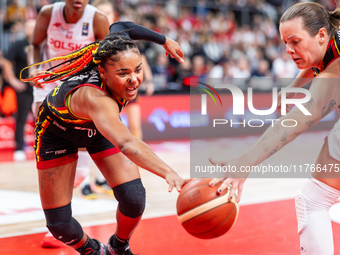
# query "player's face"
(124, 77)
(76, 5)
(305, 50)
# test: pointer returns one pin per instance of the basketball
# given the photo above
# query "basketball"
(203, 212)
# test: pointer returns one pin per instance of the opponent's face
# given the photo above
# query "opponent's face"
(76, 5)
(305, 50)
(124, 77)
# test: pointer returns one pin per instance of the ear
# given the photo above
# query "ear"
(322, 35)
(102, 72)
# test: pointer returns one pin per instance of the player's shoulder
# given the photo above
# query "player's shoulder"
(332, 70)
(46, 9)
(99, 15)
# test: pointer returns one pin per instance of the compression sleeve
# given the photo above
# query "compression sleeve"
(137, 32)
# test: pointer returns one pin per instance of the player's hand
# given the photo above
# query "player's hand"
(233, 180)
(173, 49)
(288, 96)
(174, 180)
(18, 85)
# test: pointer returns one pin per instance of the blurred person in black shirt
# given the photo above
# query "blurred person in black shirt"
(15, 60)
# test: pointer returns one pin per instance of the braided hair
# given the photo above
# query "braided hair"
(83, 60)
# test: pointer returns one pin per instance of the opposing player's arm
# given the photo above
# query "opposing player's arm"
(39, 36)
(324, 99)
(100, 26)
(94, 104)
(303, 77)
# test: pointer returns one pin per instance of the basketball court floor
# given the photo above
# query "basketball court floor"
(266, 222)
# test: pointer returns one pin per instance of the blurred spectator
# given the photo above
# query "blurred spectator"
(198, 68)
(217, 30)
(183, 74)
(262, 69)
(241, 70)
(31, 11)
(16, 60)
(212, 49)
(160, 72)
(262, 76)
(284, 66)
(8, 104)
(107, 8)
(15, 13)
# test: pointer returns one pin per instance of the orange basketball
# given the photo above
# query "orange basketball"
(203, 212)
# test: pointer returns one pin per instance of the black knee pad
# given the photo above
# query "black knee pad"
(131, 198)
(63, 227)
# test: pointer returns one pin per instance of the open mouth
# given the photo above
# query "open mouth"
(131, 89)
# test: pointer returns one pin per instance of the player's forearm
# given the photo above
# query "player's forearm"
(141, 154)
(276, 137)
(137, 32)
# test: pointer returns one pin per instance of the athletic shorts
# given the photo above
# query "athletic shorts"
(57, 142)
(334, 141)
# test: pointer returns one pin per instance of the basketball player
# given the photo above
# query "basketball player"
(84, 112)
(66, 27)
(312, 39)
(132, 109)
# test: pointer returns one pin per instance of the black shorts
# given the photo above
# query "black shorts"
(57, 142)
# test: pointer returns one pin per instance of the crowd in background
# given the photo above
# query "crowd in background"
(228, 40)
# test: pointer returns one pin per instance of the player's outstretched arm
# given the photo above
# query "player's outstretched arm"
(323, 100)
(138, 32)
(96, 105)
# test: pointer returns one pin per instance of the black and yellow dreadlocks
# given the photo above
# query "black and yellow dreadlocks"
(83, 60)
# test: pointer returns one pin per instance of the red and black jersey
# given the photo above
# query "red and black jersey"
(58, 99)
(332, 53)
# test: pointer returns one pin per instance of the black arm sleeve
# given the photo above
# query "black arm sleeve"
(137, 32)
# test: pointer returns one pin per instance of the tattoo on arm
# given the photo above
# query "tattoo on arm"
(309, 104)
(273, 151)
(326, 110)
(310, 123)
(284, 137)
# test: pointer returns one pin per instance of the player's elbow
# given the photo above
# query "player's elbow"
(126, 146)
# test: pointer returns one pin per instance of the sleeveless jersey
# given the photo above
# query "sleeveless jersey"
(58, 99)
(332, 53)
(64, 38)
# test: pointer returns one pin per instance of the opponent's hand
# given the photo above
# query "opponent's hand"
(174, 180)
(173, 49)
(233, 180)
